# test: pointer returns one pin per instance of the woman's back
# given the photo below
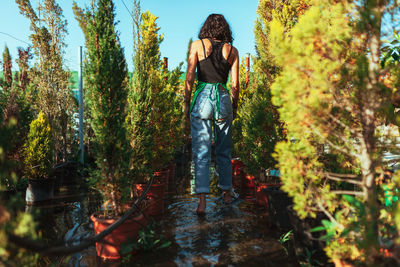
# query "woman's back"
(214, 67)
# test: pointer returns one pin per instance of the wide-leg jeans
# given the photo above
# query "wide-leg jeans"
(209, 113)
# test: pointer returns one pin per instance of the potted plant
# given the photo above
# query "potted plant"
(167, 117)
(145, 139)
(266, 179)
(107, 90)
(39, 161)
(261, 130)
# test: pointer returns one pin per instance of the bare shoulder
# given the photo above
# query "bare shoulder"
(228, 47)
(196, 44)
(231, 51)
(235, 51)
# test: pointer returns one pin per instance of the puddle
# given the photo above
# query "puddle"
(228, 235)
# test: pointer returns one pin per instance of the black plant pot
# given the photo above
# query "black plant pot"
(277, 203)
(39, 190)
(304, 238)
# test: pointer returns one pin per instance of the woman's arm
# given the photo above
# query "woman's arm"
(190, 76)
(235, 82)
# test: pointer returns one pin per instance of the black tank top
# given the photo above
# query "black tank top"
(214, 68)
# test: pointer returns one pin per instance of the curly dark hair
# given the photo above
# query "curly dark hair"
(216, 27)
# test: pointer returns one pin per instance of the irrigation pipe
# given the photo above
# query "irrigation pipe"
(52, 250)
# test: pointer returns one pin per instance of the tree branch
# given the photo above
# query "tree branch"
(339, 122)
(338, 148)
(342, 178)
(348, 192)
(331, 218)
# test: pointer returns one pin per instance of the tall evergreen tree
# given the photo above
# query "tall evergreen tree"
(329, 94)
(49, 74)
(106, 78)
(259, 121)
(146, 81)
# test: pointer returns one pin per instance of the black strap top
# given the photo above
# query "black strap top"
(214, 68)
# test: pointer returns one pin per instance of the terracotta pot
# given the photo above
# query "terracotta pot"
(155, 195)
(39, 190)
(261, 197)
(110, 248)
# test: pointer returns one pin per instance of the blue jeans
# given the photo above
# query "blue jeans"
(205, 115)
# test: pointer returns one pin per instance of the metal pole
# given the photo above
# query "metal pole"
(247, 68)
(166, 62)
(81, 107)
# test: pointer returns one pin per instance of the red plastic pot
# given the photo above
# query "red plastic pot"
(161, 177)
(237, 167)
(249, 181)
(111, 245)
(155, 195)
(237, 173)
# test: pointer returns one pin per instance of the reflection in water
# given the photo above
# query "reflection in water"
(228, 235)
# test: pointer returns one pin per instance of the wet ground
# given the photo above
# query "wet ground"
(228, 235)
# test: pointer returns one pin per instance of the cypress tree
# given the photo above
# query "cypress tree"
(259, 126)
(106, 79)
(155, 113)
(146, 81)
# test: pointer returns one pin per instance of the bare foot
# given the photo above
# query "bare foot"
(201, 208)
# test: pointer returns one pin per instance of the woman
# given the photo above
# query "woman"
(211, 107)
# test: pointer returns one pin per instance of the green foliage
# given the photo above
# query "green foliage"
(6, 83)
(11, 220)
(330, 95)
(244, 95)
(309, 260)
(155, 114)
(259, 126)
(285, 237)
(261, 130)
(167, 117)
(148, 240)
(24, 226)
(145, 80)
(16, 115)
(49, 75)
(107, 82)
(39, 149)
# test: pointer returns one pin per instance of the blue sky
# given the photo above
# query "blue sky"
(179, 20)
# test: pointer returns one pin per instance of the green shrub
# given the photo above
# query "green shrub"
(167, 117)
(261, 130)
(38, 149)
